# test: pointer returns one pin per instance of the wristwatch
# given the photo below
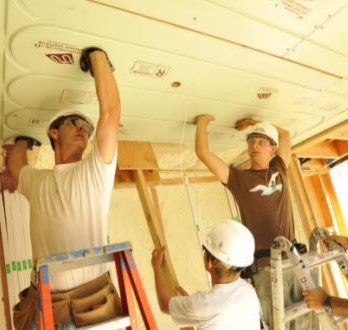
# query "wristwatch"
(327, 305)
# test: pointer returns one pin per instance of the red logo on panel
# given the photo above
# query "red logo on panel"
(66, 58)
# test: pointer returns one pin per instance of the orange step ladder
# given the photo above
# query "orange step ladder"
(128, 280)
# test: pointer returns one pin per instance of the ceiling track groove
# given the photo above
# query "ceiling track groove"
(305, 37)
(216, 37)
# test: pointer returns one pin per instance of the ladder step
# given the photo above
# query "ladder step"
(296, 310)
(128, 280)
(311, 260)
(119, 322)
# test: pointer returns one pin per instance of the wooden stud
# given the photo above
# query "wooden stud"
(156, 230)
(301, 196)
(339, 136)
(334, 131)
(330, 190)
(341, 147)
(136, 155)
(318, 200)
(326, 149)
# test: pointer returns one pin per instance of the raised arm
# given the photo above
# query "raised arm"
(284, 148)
(17, 159)
(214, 163)
(163, 293)
(109, 105)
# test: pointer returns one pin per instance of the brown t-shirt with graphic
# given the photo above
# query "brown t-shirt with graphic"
(263, 198)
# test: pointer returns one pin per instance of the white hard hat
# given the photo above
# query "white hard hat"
(66, 113)
(265, 128)
(232, 243)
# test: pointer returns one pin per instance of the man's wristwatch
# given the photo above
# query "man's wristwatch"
(31, 141)
(327, 305)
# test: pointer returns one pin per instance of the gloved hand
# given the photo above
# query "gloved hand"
(31, 141)
(85, 63)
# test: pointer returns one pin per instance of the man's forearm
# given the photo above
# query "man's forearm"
(201, 143)
(163, 294)
(106, 87)
(339, 306)
(17, 158)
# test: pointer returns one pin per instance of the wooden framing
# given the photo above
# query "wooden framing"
(332, 133)
(133, 158)
(317, 197)
(301, 196)
(326, 182)
(154, 222)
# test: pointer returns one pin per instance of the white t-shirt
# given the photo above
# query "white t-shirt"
(231, 306)
(68, 211)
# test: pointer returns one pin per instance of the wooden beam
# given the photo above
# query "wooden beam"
(136, 155)
(338, 129)
(125, 179)
(339, 136)
(330, 191)
(342, 147)
(326, 149)
(313, 166)
(153, 216)
(154, 222)
(301, 197)
(318, 200)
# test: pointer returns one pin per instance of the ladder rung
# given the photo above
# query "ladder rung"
(314, 260)
(119, 322)
(296, 310)
(82, 258)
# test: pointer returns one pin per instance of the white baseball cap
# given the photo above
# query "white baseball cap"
(265, 128)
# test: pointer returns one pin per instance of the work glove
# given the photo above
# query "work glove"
(31, 141)
(85, 63)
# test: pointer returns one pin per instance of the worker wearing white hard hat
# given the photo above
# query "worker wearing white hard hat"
(69, 204)
(262, 193)
(73, 118)
(264, 129)
(232, 302)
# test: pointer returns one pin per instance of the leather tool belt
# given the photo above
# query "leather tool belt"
(90, 303)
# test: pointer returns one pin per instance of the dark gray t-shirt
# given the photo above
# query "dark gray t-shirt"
(263, 198)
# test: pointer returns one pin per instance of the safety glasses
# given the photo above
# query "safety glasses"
(79, 123)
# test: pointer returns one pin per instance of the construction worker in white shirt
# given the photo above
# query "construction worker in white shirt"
(69, 203)
(232, 302)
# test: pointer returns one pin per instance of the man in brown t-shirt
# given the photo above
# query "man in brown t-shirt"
(263, 197)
